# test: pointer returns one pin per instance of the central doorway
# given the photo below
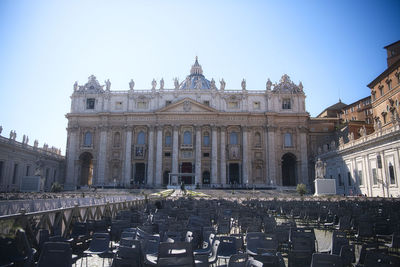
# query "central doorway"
(234, 174)
(186, 168)
(86, 160)
(288, 169)
(206, 177)
(140, 173)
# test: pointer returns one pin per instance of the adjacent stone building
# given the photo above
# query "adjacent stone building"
(19, 159)
(367, 161)
(217, 137)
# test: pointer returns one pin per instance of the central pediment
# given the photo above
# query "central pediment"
(187, 105)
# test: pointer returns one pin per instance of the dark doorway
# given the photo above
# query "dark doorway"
(186, 168)
(166, 178)
(206, 177)
(234, 175)
(86, 160)
(289, 170)
(140, 173)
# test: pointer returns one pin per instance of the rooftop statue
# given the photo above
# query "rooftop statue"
(108, 84)
(213, 84)
(301, 86)
(243, 84)
(320, 169)
(153, 84)
(76, 86)
(162, 83)
(176, 83)
(222, 84)
(269, 84)
(131, 84)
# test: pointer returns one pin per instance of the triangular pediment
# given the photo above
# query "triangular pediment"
(187, 105)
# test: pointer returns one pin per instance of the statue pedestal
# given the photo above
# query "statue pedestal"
(325, 187)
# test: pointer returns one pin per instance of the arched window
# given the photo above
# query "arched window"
(117, 139)
(257, 139)
(187, 138)
(233, 138)
(206, 139)
(87, 139)
(288, 140)
(168, 140)
(141, 138)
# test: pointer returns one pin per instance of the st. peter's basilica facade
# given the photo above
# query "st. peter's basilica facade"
(195, 133)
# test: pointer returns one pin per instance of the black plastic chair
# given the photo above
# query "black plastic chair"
(338, 240)
(128, 256)
(99, 245)
(227, 247)
(395, 244)
(150, 249)
(326, 260)
(238, 260)
(55, 254)
(271, 259)
(178, 254)
(347, 254)
(374, 259)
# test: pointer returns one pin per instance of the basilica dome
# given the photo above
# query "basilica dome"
(196, 79)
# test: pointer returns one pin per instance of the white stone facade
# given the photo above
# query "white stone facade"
(224, 137)
(368, 165)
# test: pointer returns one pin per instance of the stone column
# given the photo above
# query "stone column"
(128, 153)
(150, 157)
(198, 156)
(271, 153)
(245, 162)
(101, 162)
(159, 156)
(214, 156)
(71, 154)
(223, 156)
(303, 155)
(175, 149)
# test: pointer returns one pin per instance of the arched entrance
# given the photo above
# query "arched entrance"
(140, 173)
(86, 175)
(166, 177)
(288, 169)
(234, 173)
(206, 177)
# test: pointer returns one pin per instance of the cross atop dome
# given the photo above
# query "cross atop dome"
(196, 68)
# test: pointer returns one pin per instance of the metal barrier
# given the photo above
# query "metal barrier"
(63, 219)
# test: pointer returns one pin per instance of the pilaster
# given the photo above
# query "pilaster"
(128, 153)
(198, 155)
(150, 159)
(245, 163)
(214, 156)
(159, 156)
(223, 155)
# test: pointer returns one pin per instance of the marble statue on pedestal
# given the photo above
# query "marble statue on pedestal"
(222, 84)
(243, 84)
(131, 84)
(320, 169)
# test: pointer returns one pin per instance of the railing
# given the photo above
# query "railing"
(64, 218)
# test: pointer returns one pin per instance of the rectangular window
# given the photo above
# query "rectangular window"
(360, 178)
(288, 140)
(286, 103)
(27, 170)
(349, 178)
(389, 83)
(391, 174)
(118, 105)
(141, 105)
(233, 104)
(167, 154)
(54, 175)
(168, 140)
(381, 90)
(1, 170)
(256, 105)
(340, 179)
(206, 155)
(206, 102)
(168, 102)
(15, 173)
(90, 103)
(374, 176)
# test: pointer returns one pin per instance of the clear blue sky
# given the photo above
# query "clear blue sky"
(334, 47)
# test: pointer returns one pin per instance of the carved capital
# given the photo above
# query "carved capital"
(271, 128)
(223, 128)
(175, 127)
(103, 127)
(151, 127)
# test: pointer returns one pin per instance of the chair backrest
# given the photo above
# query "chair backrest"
(254, 263)
(238, 260)
(55, 254)
(227, 246)
(175, 254)
(133, 252)
(100, 242)
(326, 260)
(347, 254)
(214, 251)
(338, 240)
(375, 259)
